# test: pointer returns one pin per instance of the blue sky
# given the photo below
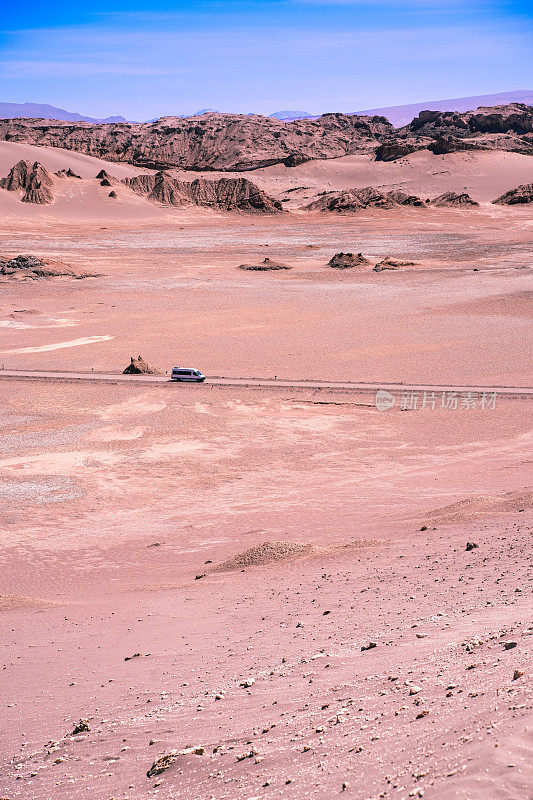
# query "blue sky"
(146, 60)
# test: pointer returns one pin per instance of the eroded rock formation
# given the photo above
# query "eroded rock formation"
(33, 179)
(508, 127)
(267, 265)
(29, 266)
(211, 141)
(228, 194)
(454, 200)
(138, 366)
(519, 196)
(358, 199)
(347, 260)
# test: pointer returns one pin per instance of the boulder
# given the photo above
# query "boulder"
(520, 196)
(347, 260)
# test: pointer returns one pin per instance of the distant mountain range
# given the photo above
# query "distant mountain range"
(402, 115)
(42, 111)
(398, 115)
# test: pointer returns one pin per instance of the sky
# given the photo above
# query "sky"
(149, 59)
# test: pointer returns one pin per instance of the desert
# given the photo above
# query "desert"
(268, 584)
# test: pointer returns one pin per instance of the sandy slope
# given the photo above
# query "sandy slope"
(123, 498)
(115, 498)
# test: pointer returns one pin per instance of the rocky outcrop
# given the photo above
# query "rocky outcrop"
(347, 260)
(358, 199)
(103, 175)
(137, 366)
(393, 149)
(228, 194)
(17, 177)
(226, 142)
(392, 263)
(28, 266)
(240, 142)
(33, 179)
(453, 200)
(67, 173)
(521, 195)
(508, 127)
(267, 265)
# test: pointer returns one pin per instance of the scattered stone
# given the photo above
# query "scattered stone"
(369, 646)
(81, 727)
(166, 761)
(135, 655)
(471, 546)
(509, 645)
(414, 690)
(517, 674)
(247, 683)
(112, 194)
(198, 577)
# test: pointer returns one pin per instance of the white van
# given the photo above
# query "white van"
(186, 374)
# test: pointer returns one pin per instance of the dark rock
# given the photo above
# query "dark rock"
(265, 266)
(81, 727)
(521, 195)
(454, 200)
(33, 179)
(471, 546)
(393, 149)
(67, 173)
(137, 366)
(228, 194)
(227, 142)
(347, 260)
(295, 159)
(352, 200)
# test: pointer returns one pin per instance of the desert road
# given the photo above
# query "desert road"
(267, 383)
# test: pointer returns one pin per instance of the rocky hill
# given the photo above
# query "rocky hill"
(228, 194)
(227, 142)
(508, 127)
